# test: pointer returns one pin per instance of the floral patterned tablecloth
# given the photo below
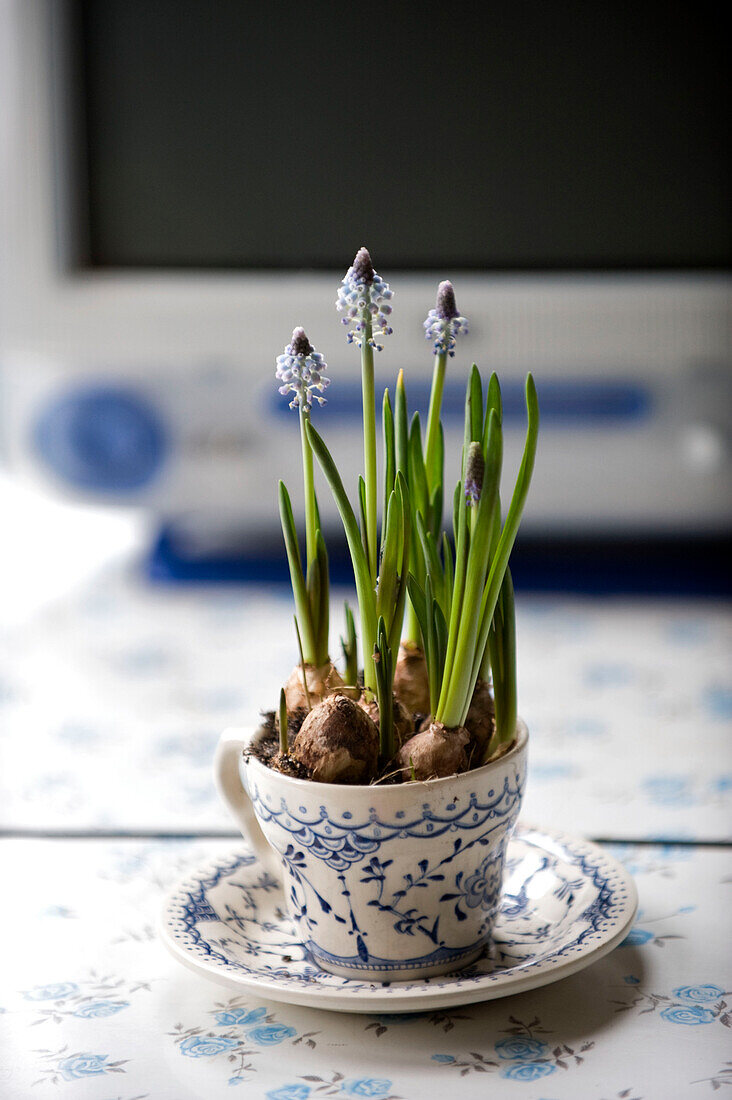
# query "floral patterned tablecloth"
(93, 1007)
(111, 702)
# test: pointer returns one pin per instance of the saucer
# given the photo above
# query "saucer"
(566, 903)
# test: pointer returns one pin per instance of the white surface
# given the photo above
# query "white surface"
(83, 912)
(112, 697)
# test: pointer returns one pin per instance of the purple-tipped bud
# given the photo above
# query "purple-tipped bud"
(444, 324)
(300, 369)
(445, 307)
(363, 268)
(474, 470)
(365, 300)
(299, 344)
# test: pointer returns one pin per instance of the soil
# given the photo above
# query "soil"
(454, 756)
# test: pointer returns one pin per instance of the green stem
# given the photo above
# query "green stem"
(433, 420)
(369, 446)
(311, 508)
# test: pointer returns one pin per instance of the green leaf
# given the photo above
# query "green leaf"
(456, 503)
(384, 678)
(302, 663)
(405, 551)
(417, 476)
(362, 512)
(502, 644)
(448, 569)
(388, 573)
(429, 553)
(476, 406)
(460, 685)
(299, 588)
(440, 636)
(387, 431)
(321, 613)
(401, 426)
(283, 722)
(494, 402)
(513, 519)
(366, 596)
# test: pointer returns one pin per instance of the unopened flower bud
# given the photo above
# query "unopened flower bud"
(444, 324)
(474, 469)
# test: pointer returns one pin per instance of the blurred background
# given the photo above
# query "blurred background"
(183, 183)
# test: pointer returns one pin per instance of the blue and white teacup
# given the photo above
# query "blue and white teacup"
(388, 882)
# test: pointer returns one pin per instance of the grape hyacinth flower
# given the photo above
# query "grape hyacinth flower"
(300, 369)
(443, 323)
(364, 297)
(442, 326)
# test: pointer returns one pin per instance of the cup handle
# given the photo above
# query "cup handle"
(229, 785)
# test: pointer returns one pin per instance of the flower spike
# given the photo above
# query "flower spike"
(300, 370)
(474, 471)
(444, 323)
(364, 297)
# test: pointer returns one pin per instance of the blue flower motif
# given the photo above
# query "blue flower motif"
(519, 1047)
(483, 886)
(240, 1016)
(527, 1071)
(636, 937)
(668, 790)
(690, 1015)
(555, 769)
(447, 1059)
(630, 979)
(95, 1009)
(289, 1092)
(55, 992)
(268, 1035)
(83, 1065)
(718, 700)
(367, 1086)
(698, 994)
(205, 1046)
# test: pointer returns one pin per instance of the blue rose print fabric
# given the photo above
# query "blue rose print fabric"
(112, 699)
(93, 1001)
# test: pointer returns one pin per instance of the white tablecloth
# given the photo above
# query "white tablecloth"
(95, 1008)
(111, 701)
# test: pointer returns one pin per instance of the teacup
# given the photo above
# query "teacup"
(391, 882)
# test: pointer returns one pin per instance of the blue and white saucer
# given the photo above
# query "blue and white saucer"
(566, 904)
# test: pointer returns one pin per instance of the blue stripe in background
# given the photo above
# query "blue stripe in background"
(563, 403)
(658, 566)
